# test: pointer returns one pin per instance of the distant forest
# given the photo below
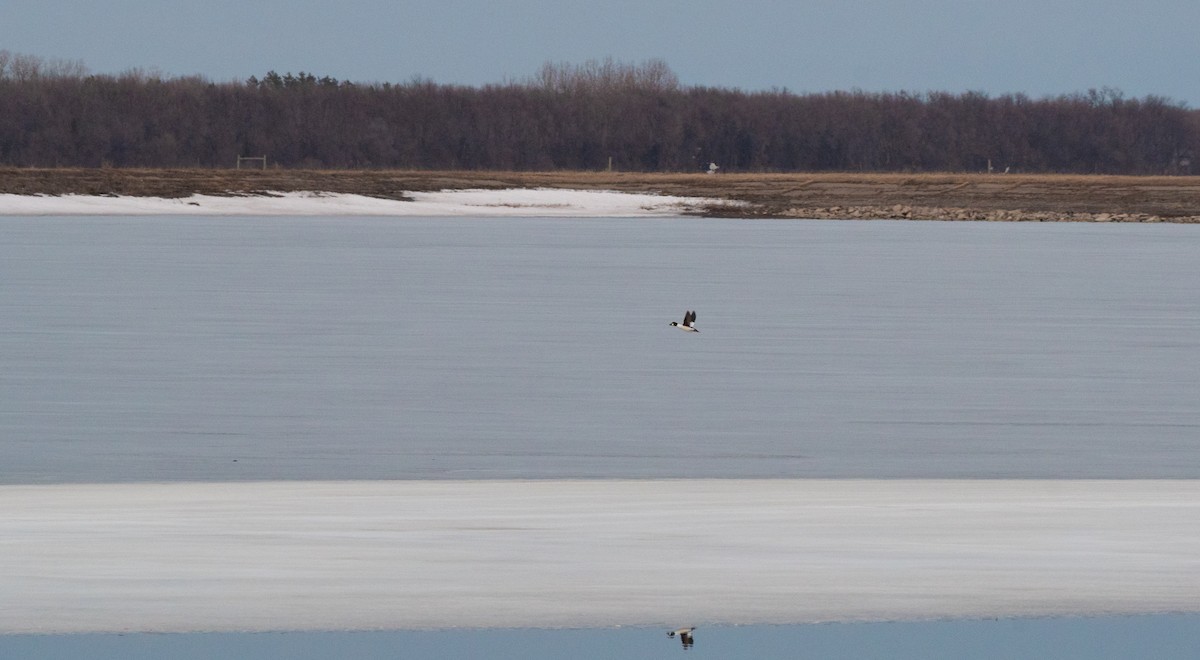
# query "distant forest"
(632, 117)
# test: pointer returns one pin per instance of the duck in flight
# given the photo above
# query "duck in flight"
(685, 636)
(689, 319)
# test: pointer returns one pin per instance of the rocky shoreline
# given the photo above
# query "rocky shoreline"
(951, 214)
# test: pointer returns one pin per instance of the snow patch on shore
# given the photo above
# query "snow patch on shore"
(582, 553)
(544, 202)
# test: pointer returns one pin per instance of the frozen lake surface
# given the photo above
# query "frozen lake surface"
(260, 348)
(254, 423)
(547, 554)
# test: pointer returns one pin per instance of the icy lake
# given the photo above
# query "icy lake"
(238, 348)
(199, 363)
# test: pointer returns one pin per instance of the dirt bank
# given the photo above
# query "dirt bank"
(917, 196)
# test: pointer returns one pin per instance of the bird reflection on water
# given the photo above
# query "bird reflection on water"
(685, 636)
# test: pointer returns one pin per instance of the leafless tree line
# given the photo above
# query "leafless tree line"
(636, 117)
(24, 68)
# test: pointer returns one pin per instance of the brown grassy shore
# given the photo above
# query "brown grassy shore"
(1006, 197)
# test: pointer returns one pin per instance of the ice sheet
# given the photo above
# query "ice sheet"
(514, 202)
(421, 554)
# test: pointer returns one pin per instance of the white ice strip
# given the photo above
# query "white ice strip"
(418, 554)
(551, 202)
(514, 202)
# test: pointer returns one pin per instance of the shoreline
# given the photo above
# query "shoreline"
(845, 196)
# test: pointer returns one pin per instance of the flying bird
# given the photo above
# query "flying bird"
(685, 636)
(689, 318)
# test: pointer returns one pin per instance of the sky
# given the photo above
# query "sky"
(1036, 47)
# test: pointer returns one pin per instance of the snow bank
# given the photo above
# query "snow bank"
(516, 202)
(417, 554)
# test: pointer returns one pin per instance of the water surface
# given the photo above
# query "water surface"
(1165, 637)
(210, 348)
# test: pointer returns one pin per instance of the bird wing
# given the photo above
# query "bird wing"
(689, 318)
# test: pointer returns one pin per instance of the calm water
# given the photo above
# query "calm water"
(1168, 637)
(332, 348)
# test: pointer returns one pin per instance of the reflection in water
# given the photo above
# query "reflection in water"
(685, 636)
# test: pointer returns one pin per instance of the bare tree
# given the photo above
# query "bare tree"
(606, 75)
(24, 68)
